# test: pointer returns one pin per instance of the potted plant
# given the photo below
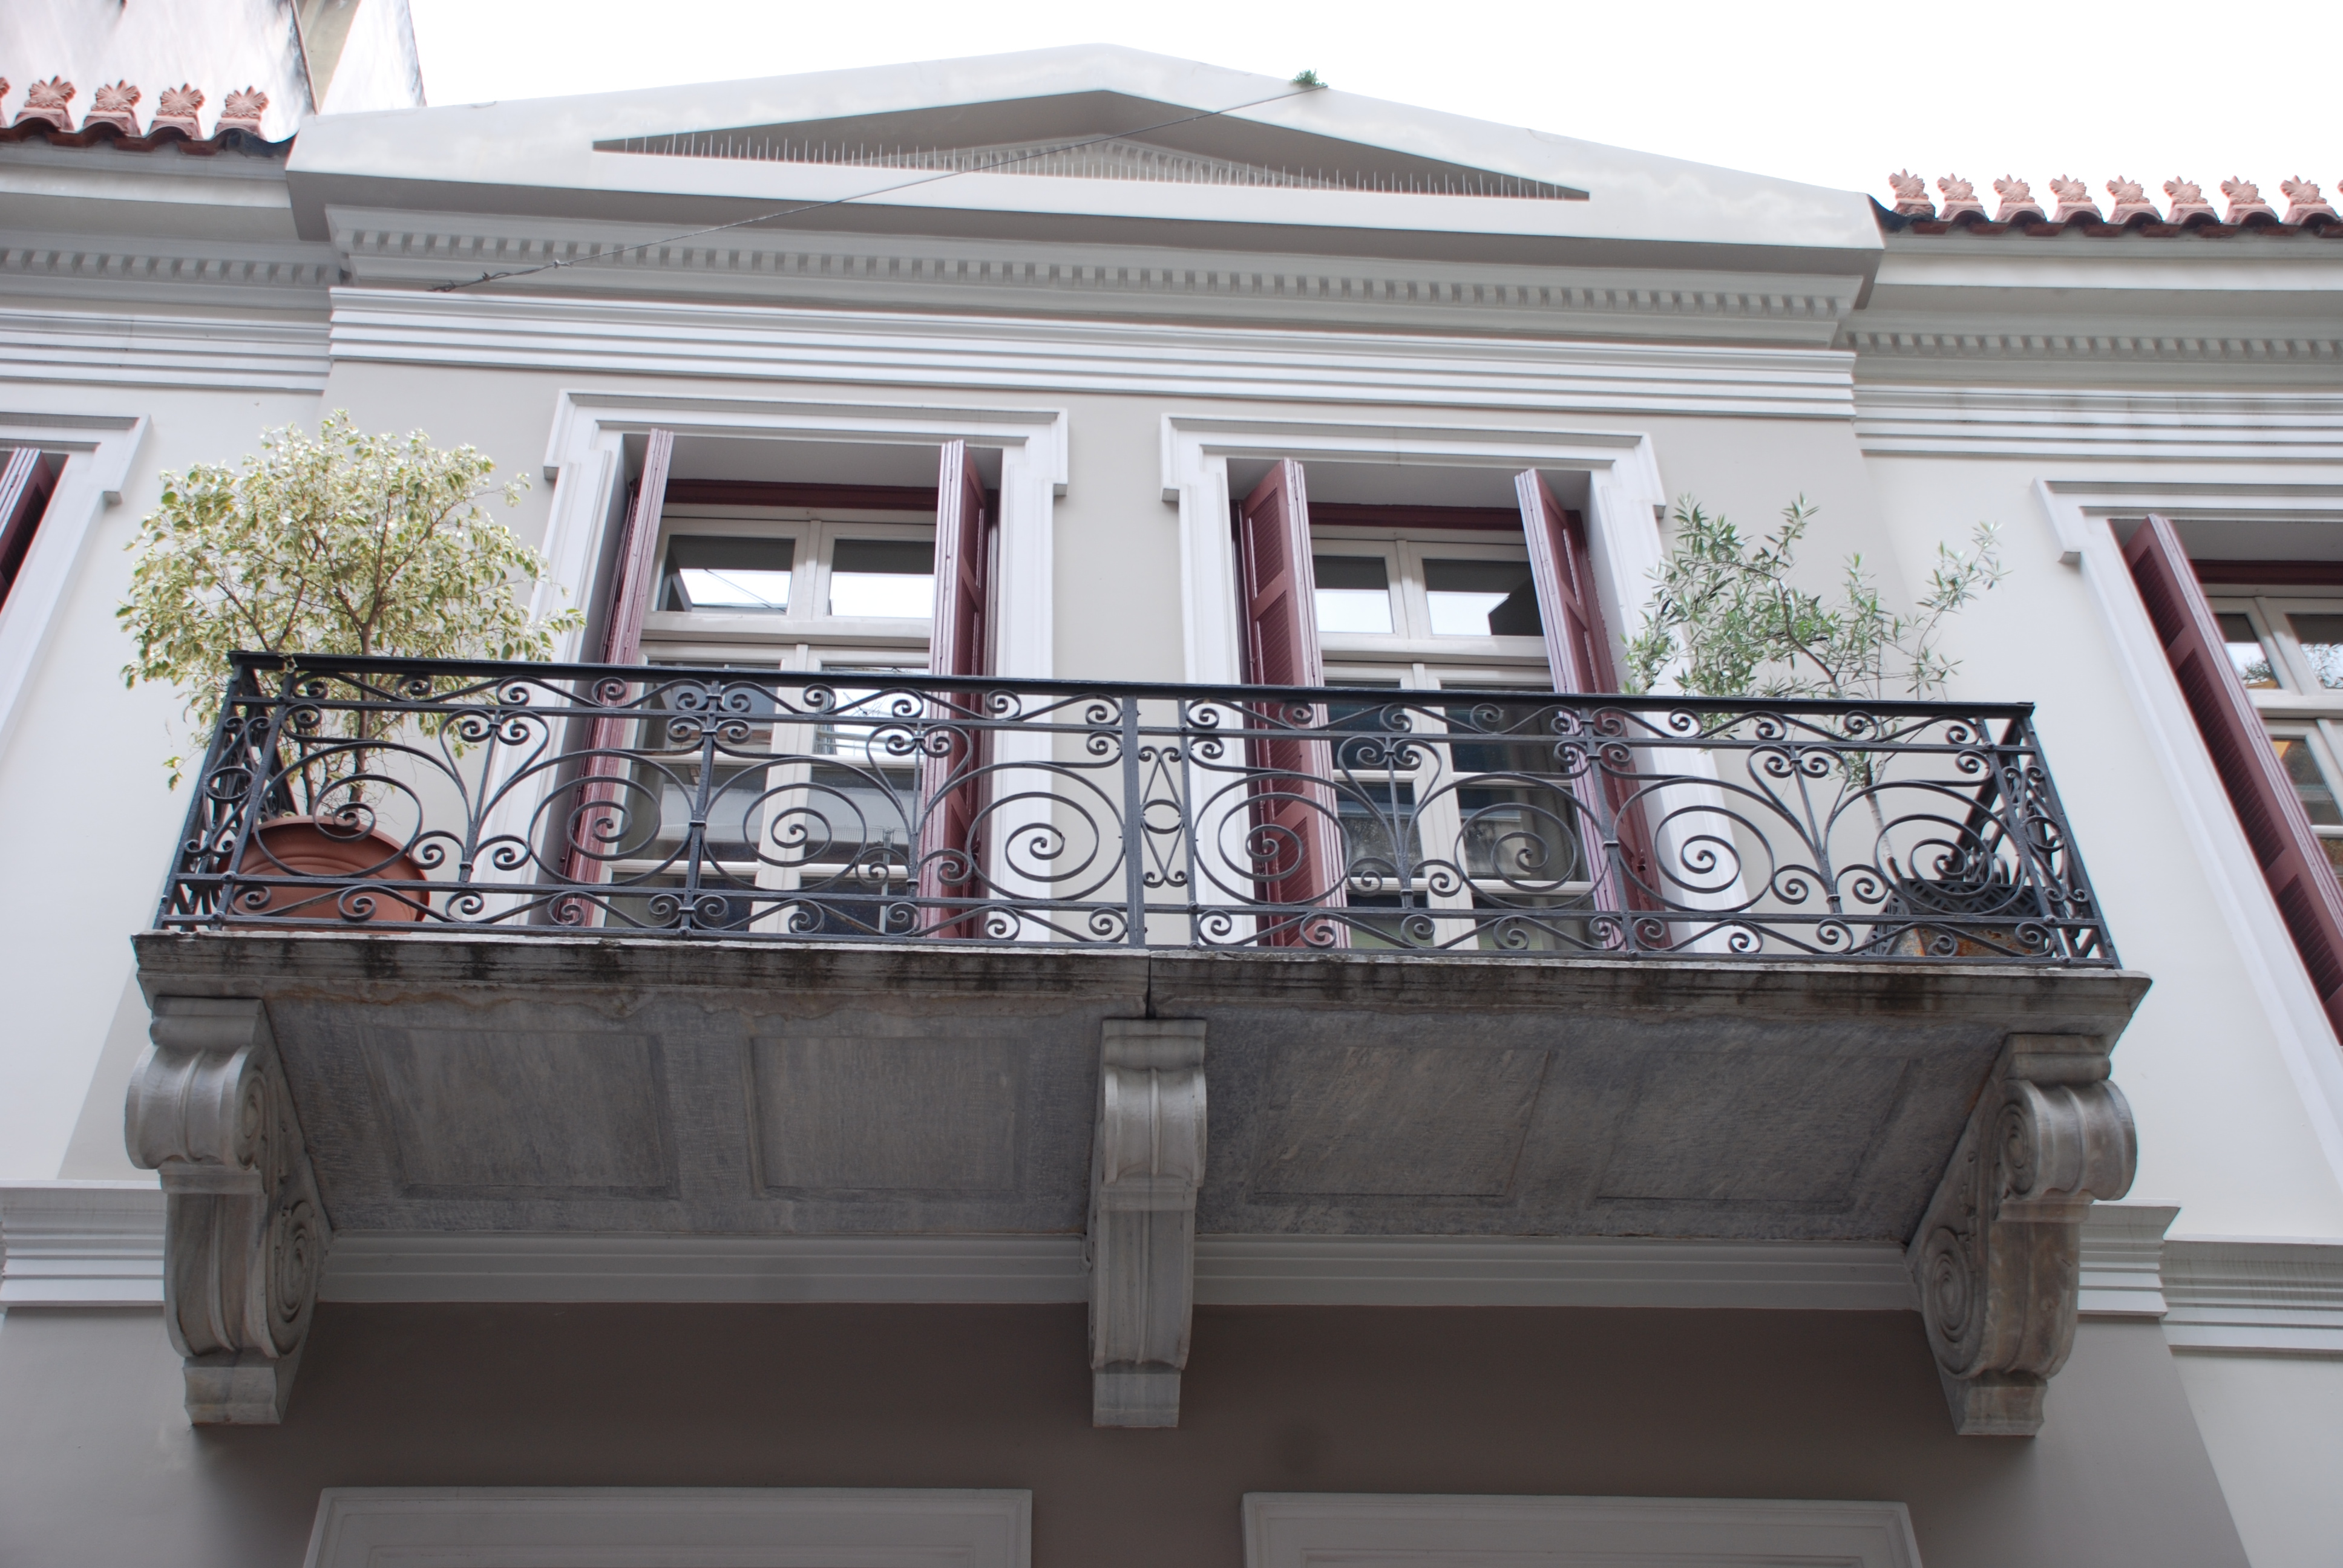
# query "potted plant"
(344, 544)
(1725, 619)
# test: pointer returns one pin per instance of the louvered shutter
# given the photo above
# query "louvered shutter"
(25, 481)
(953, 778)
(1578, 650)
(1296, 837)
(2268, 809)
(636, 573)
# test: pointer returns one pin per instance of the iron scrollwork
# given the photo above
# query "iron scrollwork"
(730, 803)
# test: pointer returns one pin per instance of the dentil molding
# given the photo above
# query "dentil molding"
(245, 1233)
(1997, 1257)
(425, 250)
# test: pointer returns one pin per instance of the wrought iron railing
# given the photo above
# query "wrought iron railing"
(837, 806)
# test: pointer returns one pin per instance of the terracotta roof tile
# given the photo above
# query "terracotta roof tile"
(113, 120)
(2132, 212)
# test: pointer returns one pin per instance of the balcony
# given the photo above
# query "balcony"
(499, 950)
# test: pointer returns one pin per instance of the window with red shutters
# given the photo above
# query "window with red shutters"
(1578, 649)
(2268, 809)
(622, 639)
(953, 778)
(26, 478)
(1296, 837)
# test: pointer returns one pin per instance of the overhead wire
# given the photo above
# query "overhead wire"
(864, 195)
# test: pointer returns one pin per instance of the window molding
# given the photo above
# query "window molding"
(1624, 500)
(736, 1526)
(585, 455)
(1294, 1530)
(98, 449)
(2080, 513)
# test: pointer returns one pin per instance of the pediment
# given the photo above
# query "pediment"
(1093, 136)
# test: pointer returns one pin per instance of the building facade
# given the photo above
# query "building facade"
(1078, 958)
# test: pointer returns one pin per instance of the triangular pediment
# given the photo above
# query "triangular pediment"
(1094, 135)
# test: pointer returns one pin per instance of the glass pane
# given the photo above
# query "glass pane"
(1353, 594)
(2317, 795)
(1482, 599)
(2247, 655)
(2322, 645)
(714, 572)
(882, 577)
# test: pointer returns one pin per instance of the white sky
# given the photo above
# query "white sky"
(1825, 91)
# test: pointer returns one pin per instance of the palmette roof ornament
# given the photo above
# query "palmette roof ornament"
(47, 100)
(2304, 202)
(1911, 194)
(2246, 201)
(2074, 200)
(2189, 201)
(2131, 201)
(2016, 200)
(116, 106)
(1960, 196)
(177, 107)
(242, 111)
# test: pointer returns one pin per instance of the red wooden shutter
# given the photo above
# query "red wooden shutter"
(1578, 649)
(1576, 646)
(637, 574)
(952, 779)
(1296, 836)
(2268, 809)
(25, 481)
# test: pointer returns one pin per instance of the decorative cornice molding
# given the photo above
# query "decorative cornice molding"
(2157, 426)
(406, 249)
(81, 1244)
(128, 268)
(214, 353)
(2320, 351)
(1297, 1529)
(774, 344)
(2123, 1249)
(2254, 1297)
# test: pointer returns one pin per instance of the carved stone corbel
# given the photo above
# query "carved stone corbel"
(244, 1235)
(1998, 1256)
(1146, 1161)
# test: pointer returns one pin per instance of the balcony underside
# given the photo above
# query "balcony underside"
(483, 1083)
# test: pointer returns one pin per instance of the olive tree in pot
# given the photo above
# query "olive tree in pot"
(342, 544)
(1728, 618)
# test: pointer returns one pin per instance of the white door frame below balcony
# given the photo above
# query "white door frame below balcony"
(584, 457)
(98, 449)
(1624, 499)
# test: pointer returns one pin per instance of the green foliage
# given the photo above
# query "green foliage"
(1308, 79)
(346, 544)
(1727, 620)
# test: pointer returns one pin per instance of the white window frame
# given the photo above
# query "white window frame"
(98, 449)
(585, 457)
(1411, 640)
(2081, 511)
(813, 532)
(1625, 501)
(734, 1526)
(1294, 1530)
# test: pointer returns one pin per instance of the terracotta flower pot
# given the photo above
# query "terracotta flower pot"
(308, 846)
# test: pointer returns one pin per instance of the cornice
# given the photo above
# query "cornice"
(148, 270)
(2161, 426)
(406, 249)
(81, 1244)
(871, 348)
(2306, 351)
(89, 347)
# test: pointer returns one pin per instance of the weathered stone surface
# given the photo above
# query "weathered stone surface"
(1146, 1164)
(485, 1083)
(244, 1231)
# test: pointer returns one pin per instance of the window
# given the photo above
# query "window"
(1430, 595)
(774, 576)
(2287, 647)
(26, 477)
